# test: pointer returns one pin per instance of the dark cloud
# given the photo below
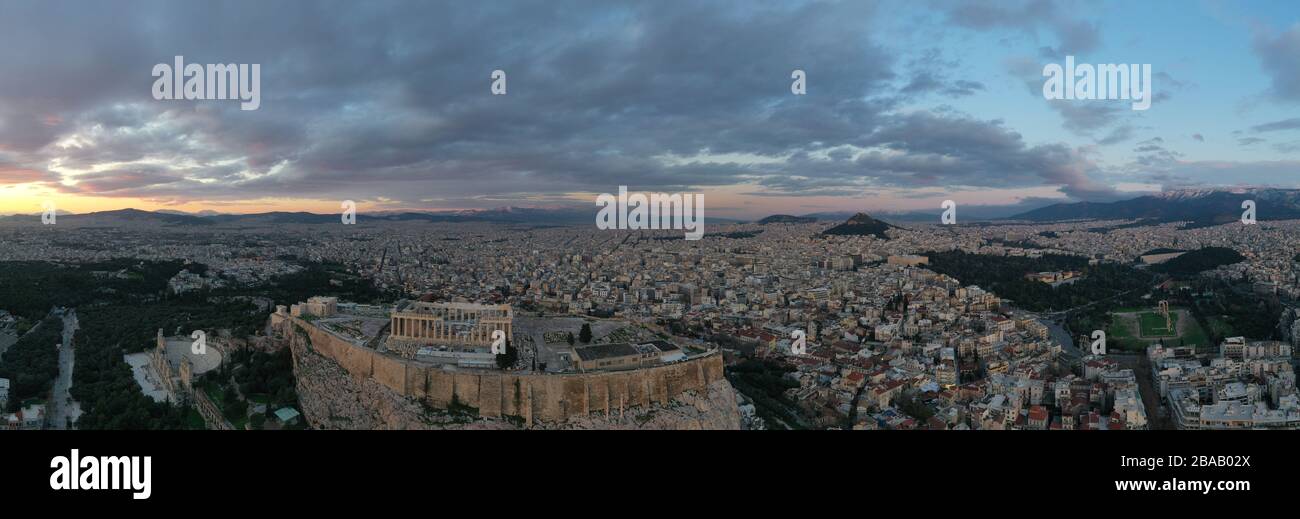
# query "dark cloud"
(1153, 157)
(925, 150)
(1287, 147)
(1285, 124)
(929, 75)
(1117, 135)
(139, 181)
(1085, 118)
(1280, 53)
(1073, 35)
(1157, 165)
(928, 81)
(18, 175)
(1184, 174)
(13, 172)
(391, 100)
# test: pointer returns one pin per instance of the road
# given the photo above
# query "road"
(8, 336)
(62, 407)
(1063, 314)
(1157, 415)
(1063, 337)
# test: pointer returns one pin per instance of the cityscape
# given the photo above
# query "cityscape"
(790, 215)
(924, 326)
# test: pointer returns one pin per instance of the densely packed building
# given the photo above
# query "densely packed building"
(881, 330)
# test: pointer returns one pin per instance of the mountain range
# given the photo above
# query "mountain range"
(1200, 206)
(510, 215)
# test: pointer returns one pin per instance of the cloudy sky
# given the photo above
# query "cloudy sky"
(389, 103)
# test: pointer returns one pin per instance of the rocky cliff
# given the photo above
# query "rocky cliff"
(333, 397)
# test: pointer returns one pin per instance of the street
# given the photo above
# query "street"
(1063, 337)
(62, 407)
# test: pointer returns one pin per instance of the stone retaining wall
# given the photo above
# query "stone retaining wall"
(548, 397)
(212, 416)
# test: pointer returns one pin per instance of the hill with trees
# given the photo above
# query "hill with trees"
(1198, 261)
(785, 218)
(860, 224)
(1005, 276)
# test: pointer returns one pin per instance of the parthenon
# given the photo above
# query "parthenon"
(451, 323)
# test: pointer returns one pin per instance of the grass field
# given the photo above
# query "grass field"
(1153, 324)
(1135, 329)
(1119, 336)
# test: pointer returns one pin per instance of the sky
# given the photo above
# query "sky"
(390, 104)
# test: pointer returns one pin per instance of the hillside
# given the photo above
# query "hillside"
(785, 218)
(860, 224)
(1202, 207)
(1198, 261)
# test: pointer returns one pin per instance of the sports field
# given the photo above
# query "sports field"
(1152, 325)
(1134, 329)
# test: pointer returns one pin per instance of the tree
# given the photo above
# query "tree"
(912, 407)
(235, 410)
(508, 359)
(32, 363)
(570, 338)
(584, 335)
